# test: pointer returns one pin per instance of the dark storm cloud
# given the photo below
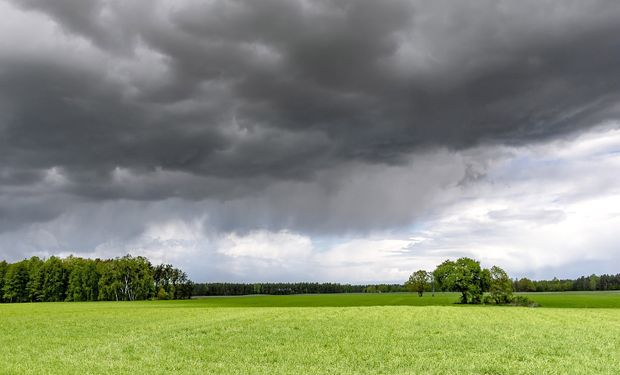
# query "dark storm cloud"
(220, 99)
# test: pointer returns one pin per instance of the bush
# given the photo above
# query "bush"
(512, 301)
(161, 294)
(523, 301)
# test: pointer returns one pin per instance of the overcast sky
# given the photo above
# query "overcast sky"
(302, 140)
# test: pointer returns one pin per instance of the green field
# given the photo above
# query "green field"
(564, 299)
(308, 334)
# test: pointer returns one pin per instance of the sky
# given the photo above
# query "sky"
(350, 141)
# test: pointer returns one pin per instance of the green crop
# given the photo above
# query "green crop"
(312, 334)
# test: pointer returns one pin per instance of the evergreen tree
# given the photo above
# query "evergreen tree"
(16, 282)
(3, 268)
(35, 279)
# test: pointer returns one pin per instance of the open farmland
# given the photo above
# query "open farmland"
(355, 333)
(555, 299)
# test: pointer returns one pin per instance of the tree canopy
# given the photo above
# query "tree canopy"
(418, 282)
(501, 286)
(465, 276)
(77, 279)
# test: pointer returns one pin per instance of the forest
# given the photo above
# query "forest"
(583, 283)
(126, 278)
(131, 278)
(237, 289)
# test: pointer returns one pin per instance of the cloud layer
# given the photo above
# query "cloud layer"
(307, 123)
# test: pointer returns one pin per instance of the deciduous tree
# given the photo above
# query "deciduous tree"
(55, 279)
(501, 286)
(418, 281)
(464, 276)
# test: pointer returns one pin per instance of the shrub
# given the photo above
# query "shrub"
(523, 301)
(161, 294)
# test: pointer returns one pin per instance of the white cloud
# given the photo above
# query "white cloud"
(279, 246)
(540, 212)
(547, 210)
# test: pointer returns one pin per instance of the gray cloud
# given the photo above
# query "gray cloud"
(528, 214)
(320, 116)
(282, 88)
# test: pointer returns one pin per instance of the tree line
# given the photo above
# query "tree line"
(126, 278)
(467, 277)
(135, 278)
(476, 284)
(238, 289)
(583, 283)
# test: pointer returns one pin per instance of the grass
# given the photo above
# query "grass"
(313, 334)
(577, 299)
(333, 300)
(560, 300)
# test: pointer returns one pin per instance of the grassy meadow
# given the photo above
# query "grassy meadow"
(314, 334)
